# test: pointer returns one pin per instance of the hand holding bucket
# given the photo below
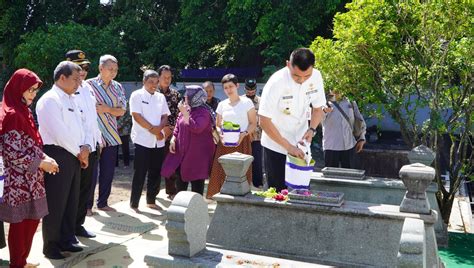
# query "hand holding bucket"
(306, 148)
(298, 171)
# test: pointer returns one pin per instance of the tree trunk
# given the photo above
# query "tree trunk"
(446, 206)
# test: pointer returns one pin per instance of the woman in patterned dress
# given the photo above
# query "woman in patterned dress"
(24, 196)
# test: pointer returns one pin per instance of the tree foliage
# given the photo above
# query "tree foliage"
(406, 57)
(25, 16)
(42, 50)
(191, 33)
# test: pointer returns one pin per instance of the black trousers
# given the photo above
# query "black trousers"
(62, 195)
(125, 150)
(257, 173)
(343, 159)
(85, 190)
(275, 168)
(147, 161)
(2, 236)
(197, 186)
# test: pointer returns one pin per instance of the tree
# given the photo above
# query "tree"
(42, 50)
(246, 33)
(406, 57)
(195, 33)
(200, 27)
(146, 30)
(23, 16)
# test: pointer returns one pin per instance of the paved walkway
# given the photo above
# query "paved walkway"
(123, 238)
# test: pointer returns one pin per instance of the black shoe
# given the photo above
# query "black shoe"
(74, 240)
(72, 248)
(84, 233)
(55, 255)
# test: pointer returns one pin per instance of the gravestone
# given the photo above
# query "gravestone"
(421, 154)
(416, 177)
(344, 173)
(187, 224)
(412, 252)
(235, 166)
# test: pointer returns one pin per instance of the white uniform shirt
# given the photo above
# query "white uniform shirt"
(287, 104)
(60, 121)
(151, 107)
(237, 114)
(86, 102)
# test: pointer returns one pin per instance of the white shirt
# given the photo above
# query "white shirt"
(151, 107)
(337, 133)
(60, 120)
(287, 104)
(237, 114)
(86, 102)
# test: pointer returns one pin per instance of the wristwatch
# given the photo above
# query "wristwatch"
(313, 129)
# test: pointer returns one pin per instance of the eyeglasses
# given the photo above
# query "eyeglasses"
(34, 90)
(85, 67)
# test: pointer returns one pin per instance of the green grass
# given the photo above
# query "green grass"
(460, 252)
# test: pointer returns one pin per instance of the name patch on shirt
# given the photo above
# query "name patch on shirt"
(70, 109)
(287, 97)
(145, 102)
(76, 93)
(312, 92)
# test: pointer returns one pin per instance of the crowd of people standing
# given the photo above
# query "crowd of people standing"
(52, 170)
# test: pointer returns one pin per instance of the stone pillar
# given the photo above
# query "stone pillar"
(416, 177)
(235, 166)
(421, 154)
(187, 224)
(412, 252)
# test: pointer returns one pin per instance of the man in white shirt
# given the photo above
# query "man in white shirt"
(339, 144)
(292, 96)
(60, 126)
(86, 103)
(149, 111)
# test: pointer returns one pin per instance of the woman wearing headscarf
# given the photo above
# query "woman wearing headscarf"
(192, 146)
(24, 195)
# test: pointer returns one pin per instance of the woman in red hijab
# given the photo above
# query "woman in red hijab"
(24, 196)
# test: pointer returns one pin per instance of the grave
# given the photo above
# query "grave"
(353, 234)
(381, 190)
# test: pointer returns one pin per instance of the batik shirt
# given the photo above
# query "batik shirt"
(214, 102)
(172, 98)
(24, 194)
(113, 96)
